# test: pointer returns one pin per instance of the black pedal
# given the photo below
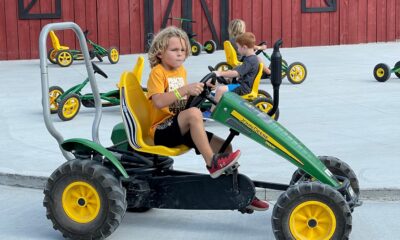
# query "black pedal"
(232, 169)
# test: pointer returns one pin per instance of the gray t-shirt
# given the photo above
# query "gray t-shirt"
(247, 73)
(233, 43)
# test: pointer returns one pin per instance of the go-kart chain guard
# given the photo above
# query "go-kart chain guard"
(199, 191)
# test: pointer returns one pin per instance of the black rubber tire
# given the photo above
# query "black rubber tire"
(60, 111)
(51, 56)
(64, 58)
(210, 46)
(263, 93)
(112, 199)
(337, 167)
(55, 90)
(195, 48)
(381, 72)
(292, 78)
(113, 55)
(397, 66)
(138, 210)
(265, 105)
(222, 66)
(310, 193)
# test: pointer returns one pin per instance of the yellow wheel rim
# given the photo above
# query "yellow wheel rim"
(81, 202)
(70, 107)
(297, 73)
(312, 220)
(114, 55)
(65, 58)
(194, 48)
(265, 107)
(53, 95)
(223, 68)
(380, 72)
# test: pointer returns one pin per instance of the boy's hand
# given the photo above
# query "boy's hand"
(210, 85)
(217, 73)
(194, 89)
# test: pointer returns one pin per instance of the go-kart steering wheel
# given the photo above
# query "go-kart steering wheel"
(196, 101)
(261, 43)
(221, 80)
(98, 70)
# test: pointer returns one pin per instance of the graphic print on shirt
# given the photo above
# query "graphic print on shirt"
(174, 83)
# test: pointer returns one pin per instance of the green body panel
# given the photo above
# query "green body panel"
(395, 70)
(87, 146)
(242, 116)
(119, 138)
(75, 89)
(112, 97)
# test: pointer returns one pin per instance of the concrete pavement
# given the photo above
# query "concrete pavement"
(340, 110)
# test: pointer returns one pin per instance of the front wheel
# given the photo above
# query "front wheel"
(69, 107)
(84, 200)
(381, 72)
(113, 55)
(210, 46)
(54, 93)
(266, 105)
(196, 48)
(296, 73)
(337, 167)
(311, 211)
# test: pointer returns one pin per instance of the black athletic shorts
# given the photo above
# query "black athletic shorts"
(168, 134)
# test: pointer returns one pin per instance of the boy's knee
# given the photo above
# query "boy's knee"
(195, 113)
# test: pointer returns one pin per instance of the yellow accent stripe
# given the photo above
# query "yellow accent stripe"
(261, 133)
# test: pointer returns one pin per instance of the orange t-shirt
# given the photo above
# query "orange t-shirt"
(161, 81)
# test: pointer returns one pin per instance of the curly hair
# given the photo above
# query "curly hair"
(236, 27)
(160, 43)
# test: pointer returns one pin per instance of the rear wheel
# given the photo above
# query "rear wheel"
(113, 55)
(196, 48)
(54, 93)
(223, 66)
(296, 73)
(382, 72)
(265, 105)
(263, 94)
(64, 58)
(311, 211)
(84, 200)
(51, 55)
(69, 107)
(210, 46)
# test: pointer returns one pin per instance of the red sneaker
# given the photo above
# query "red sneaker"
(258, 205)
(222, 161)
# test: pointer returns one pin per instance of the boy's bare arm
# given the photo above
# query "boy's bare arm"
(161, 100)
(227, 74)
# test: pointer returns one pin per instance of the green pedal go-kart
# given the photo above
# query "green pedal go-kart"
(296, 72)
(68, 103)
(382, 71)
(64, 56)
(87, 196)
